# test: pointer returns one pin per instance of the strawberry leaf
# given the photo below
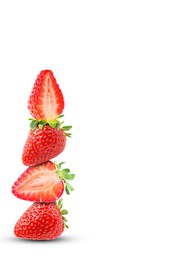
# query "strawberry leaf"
(65, 219)
(60, 116)
(70, 176)
(62, 173)
(58, 166)
(61, 123)
(68, 134)
(66, 170)
(41, 124)
(58, 124)
(59, 203)
(64, 212)
(65, 175)
(68, 186)
(53, 124)
(66, 226)
(67, 190)
(33, 124)
(66, 128)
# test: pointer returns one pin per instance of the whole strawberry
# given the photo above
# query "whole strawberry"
(41, 221)
(44, 142)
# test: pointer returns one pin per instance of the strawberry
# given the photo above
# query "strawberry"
(43, 183)
(45, 141)
(46, 101)
(42, 221)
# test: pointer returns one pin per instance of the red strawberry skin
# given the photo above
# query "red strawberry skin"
(41, 221)
(43, 145)
(39, 183)
(46, 101)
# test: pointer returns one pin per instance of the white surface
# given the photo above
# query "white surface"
(125, 70)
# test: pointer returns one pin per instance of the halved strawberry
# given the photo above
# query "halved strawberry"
(46, 101)
(43, 183)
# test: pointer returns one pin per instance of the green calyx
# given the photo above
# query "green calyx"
(64, 212)
(65, 175)
(52, 123)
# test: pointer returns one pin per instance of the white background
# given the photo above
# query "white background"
(125, 71)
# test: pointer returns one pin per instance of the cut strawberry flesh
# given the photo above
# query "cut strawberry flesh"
(39, 183)
(46, 101)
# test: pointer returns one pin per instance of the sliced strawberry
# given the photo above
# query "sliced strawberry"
(46, 101)
(43, 183)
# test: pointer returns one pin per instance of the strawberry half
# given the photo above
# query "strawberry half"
(42, 221)
(43, 183)
(46, 101)
(45, 141)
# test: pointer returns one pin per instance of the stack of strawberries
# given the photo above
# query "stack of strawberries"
(44, 181)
